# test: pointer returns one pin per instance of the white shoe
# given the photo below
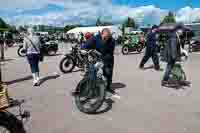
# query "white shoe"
(116, 96)
(37, 78)
(35, 82)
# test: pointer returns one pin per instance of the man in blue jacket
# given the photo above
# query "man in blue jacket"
(105, 44)
(151, 49)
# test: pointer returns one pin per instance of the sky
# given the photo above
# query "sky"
(62, 12)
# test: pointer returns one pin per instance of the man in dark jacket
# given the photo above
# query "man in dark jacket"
(171, 55)
(105, 44)
(151, 49)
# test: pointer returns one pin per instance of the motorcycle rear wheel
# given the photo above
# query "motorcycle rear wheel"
(88, 94)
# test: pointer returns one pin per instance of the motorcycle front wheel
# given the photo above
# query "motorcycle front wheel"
(20, 52)
(10, 124)
(89, 100)
(125, 50)
(67, 64)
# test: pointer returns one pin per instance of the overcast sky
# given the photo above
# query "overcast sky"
(61, 12)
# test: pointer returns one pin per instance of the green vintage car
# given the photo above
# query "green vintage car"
(132, 42)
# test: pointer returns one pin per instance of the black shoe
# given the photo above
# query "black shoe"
(141, 67)
(164, 83)
(74, 93)
(157, 68)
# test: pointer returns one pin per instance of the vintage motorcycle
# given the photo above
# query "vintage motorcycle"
(76, 57)
(132, 44)
(90, 91)
(49, 48)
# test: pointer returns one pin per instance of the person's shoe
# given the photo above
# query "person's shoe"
(113, 94)
(164, 83)
(35, 83)
(141, 67)
(157, 68)
(74, 93)
(116, 96)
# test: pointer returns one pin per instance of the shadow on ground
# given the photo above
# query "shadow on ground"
(49, 78)
(179, 85)
(118, 85)
(152, 67)
(6, 60)
(18, 80)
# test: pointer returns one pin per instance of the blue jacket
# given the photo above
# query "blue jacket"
(107, 50)
(151, 40)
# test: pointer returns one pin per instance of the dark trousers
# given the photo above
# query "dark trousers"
(108, 73)
(33, 60)
(150, 53)
(168, 70)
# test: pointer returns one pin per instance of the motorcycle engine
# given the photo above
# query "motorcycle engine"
(99, 68)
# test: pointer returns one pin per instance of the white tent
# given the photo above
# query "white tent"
(76, 31)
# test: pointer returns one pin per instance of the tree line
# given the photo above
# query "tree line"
(129, 22)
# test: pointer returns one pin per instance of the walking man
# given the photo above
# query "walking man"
(151, 51)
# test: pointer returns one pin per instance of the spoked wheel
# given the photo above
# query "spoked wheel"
(67, 64)
(125, 50)
(89, 100)
(21, 52)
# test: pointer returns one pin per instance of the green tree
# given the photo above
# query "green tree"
(98, 22)
(3, 24)
(21, 29)
(130, 22)
(106, 23)
(170, 18)
(69, 27)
